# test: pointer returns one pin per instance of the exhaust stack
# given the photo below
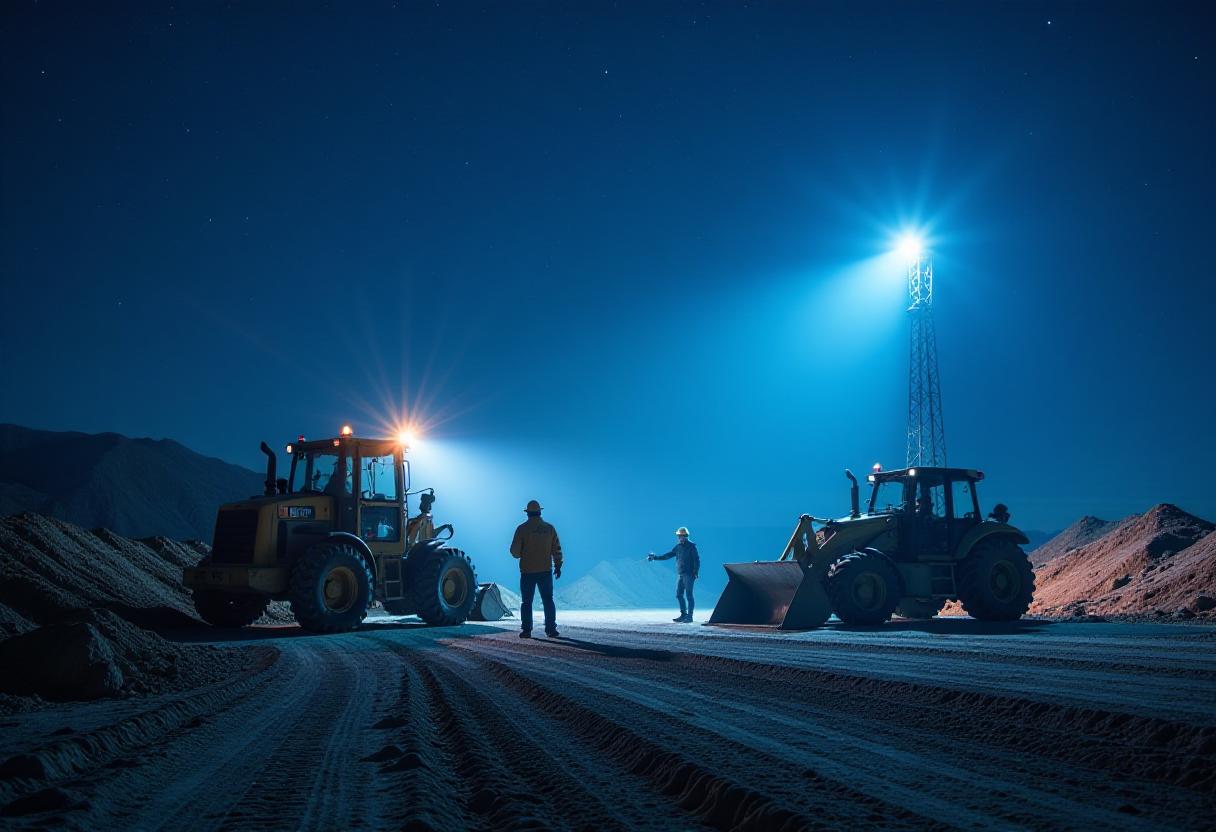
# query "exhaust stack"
(854, 495)
(272, 464)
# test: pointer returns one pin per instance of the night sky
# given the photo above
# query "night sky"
(630, 258)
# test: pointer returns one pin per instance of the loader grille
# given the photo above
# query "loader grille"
(235, 535)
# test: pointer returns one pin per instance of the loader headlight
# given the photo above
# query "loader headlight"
(911, 472)
(289, 450)
(347, 430)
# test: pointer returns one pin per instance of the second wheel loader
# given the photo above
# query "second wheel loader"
(920, 542)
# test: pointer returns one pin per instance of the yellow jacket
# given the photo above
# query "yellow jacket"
(536, 545)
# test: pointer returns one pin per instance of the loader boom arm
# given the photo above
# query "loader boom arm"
(802, 545)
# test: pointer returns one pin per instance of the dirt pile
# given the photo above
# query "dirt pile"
(49, 567)
(73, 608)
(137, 487)
(1162, 563)
(93, 653)
(1086, 530)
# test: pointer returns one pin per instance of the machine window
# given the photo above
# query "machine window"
(327, 473)
(931, 501)
(887, 496)
(380, 523)
(962, 492)
(379, 478)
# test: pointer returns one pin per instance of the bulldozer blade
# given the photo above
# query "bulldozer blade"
(773, 594)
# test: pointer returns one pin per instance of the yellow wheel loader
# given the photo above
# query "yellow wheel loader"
(330, 538)
(920, 542)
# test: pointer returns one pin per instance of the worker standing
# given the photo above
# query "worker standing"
(688, 569)
(539, 552)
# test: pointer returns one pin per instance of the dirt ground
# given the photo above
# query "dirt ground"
(629, 723)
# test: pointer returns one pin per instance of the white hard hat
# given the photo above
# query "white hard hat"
(682, 531)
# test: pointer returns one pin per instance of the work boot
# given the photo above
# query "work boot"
(525, 634)
(552, 634)
(679, 619)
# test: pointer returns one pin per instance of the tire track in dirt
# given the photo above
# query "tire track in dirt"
(313, 778)
(1182, 699)
(274, 756)
(416, 759)
(1126, 744)
(882, 757)
(727, 784)
(523, 767)
(77, 757)
(1197, 663)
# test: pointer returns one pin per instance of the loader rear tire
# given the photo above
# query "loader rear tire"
(444, 587)
(864, 587)
(996, 581)
(330, 588)
(911, 608)
(229, 609)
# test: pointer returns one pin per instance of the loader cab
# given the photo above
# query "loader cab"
(367, 479)
(936, 507)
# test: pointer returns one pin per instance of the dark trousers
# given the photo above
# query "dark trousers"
(529, 582)
(684, 588)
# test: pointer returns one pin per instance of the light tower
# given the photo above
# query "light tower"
(926, 432)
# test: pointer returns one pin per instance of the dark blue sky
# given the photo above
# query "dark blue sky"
(627, 258)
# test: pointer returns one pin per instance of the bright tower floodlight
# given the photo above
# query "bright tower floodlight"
(910, 247)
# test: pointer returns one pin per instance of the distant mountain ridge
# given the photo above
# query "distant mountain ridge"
(133, 487)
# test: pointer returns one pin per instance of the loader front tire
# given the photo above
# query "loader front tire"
(444, 586)
(864, 588)
(229, 609)
(996, 581)
(330, 588)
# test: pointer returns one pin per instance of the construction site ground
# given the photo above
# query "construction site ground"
(632, 722)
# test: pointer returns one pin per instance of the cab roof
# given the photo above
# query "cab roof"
(366, 445)
(919, 471)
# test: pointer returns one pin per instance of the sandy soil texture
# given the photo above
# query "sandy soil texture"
(626, 723)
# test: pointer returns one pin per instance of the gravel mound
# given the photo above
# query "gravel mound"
(89, 654)
(1162, 563)
(49, 567)
(75, 608)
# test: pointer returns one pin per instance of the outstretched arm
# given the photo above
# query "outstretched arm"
(667, 556)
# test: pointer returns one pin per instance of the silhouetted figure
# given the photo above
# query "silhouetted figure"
(688, 569)
(539, 551)
(999, 513)
(421, 527)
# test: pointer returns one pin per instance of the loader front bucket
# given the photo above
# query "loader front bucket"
(772, 593)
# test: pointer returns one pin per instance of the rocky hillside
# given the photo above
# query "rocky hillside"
(134, 487)
(1162, 563)
(1086, 530)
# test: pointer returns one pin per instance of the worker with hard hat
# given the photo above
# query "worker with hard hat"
(688, 569)
(539, 552)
